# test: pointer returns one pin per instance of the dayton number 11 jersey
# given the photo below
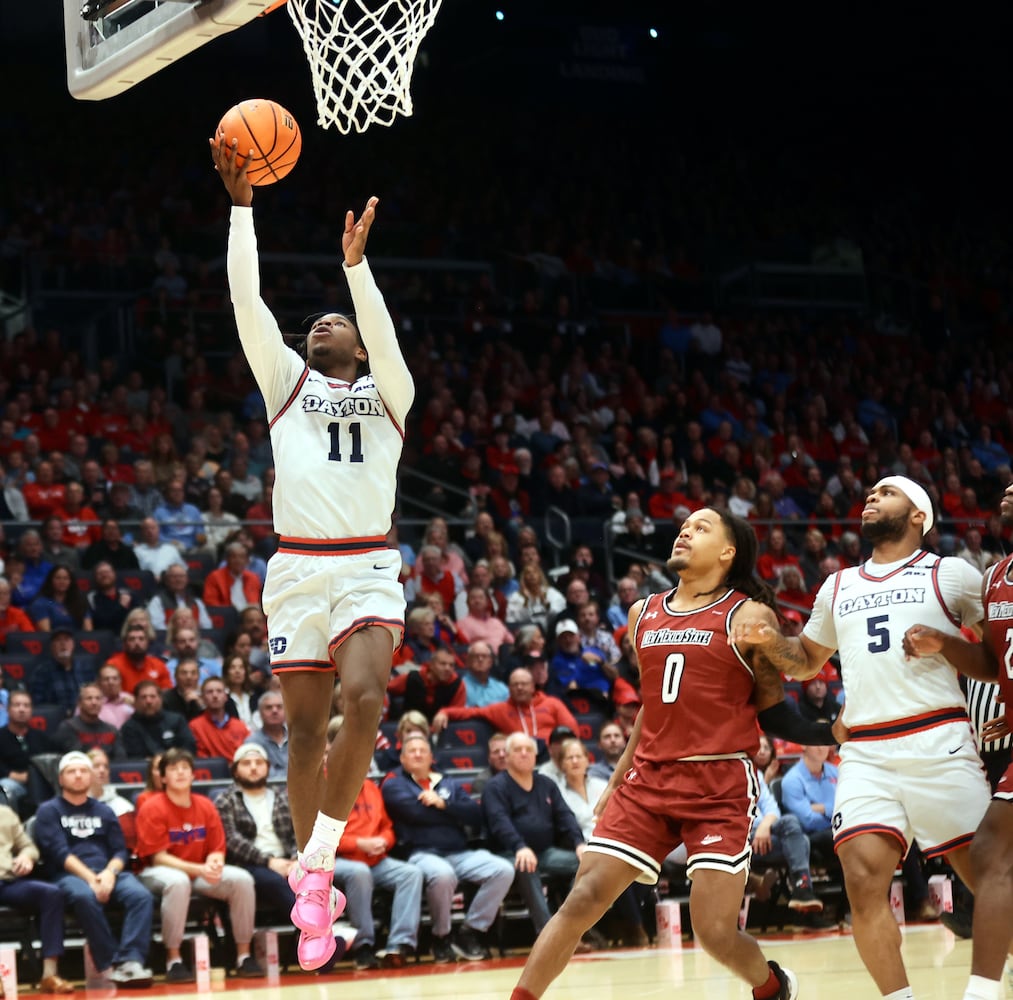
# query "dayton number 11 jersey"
(336, 444)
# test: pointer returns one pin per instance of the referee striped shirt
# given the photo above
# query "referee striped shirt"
(983, 707)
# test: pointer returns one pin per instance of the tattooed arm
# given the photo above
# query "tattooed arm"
(755, 629)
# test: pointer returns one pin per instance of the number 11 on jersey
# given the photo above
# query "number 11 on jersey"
(354, 432)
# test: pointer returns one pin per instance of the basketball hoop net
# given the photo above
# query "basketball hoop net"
(361, 55)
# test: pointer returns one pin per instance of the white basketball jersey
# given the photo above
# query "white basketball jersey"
(336, 445)
(864, 611)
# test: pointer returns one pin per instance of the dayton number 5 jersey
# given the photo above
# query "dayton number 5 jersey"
(864, 611)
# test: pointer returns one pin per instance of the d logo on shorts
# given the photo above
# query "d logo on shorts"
(277, 645)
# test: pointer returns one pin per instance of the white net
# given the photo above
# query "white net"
(361, 54)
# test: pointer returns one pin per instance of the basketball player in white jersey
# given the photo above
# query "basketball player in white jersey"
(332, 595)
(910, 770)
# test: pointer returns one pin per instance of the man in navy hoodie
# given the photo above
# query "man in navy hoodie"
(431, 815)
(81, 842)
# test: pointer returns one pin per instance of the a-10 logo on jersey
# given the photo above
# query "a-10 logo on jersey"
(866, 602)
(278, 644)
(1000, 611)
(350, 406)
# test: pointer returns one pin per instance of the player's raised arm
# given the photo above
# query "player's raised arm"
(798, 657)
(274, 366)
(386, 362)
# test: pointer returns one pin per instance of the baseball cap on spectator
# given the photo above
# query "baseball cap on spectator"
(72, 759)
(60, 630)
(561, 733)
(667, 474)
(826, 674)
(566, 625)
(624, 693)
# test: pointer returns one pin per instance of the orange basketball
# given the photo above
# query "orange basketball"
(270, 131)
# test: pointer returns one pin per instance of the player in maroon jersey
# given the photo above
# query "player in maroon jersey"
(686, 775)
(992, 847)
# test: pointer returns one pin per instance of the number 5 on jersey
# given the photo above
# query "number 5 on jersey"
(354, 432)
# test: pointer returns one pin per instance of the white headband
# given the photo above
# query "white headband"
(915, 494)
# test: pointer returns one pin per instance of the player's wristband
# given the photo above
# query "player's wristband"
(782, 721)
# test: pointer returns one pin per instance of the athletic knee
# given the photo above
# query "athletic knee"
(588, 898)
(363, 699)
(714, 934)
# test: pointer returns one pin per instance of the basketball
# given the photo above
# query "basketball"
(270, 131)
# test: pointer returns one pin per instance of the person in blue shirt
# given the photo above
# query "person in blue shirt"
(782, 834)
(808, 791)
(576, 666)
(480, 686)
(82, 844)
(180, 522)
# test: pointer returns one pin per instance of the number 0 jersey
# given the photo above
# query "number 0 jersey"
(999, 619)
(696, 688)
(336, 444)
(864, 611)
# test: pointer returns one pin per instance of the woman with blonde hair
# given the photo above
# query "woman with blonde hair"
(535, 600)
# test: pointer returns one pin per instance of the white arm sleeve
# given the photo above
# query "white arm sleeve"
(386, 362)
(275, 367)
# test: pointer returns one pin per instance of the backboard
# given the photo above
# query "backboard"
(114, 51)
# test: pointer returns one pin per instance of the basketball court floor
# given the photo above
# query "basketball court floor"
(827, 965)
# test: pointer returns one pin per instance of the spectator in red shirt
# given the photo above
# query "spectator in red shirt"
(791, 589)
(662, 504)
(44, 495)
(135, 664)
(435, 686)
(776, 556)
(969, 514)
(53, 434)
(11, 619)
(433, 577)
(216, 733)
(508, 503)
(81, 526)
(182, 841)
(233, 583)
(526, 710)
(264, 537)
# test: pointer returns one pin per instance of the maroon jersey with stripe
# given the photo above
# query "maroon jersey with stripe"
(697, 691)
(999, 615)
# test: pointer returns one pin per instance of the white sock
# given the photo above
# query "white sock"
(326, 833)
(904, 994)
(979, 988)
